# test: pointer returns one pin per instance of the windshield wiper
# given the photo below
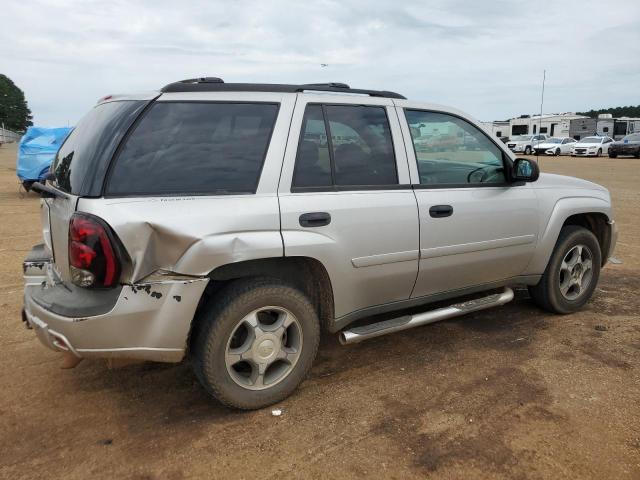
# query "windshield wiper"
(46, 191)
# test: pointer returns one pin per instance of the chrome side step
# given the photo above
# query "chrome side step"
(359, 334)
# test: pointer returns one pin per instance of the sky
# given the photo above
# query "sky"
(484, 57)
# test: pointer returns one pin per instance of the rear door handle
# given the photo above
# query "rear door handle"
(315, 219)
(441, 211)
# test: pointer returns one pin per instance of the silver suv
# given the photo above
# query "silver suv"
(231, 223)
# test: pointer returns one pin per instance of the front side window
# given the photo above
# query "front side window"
(345, 145)
(195, 148)
(451, 151)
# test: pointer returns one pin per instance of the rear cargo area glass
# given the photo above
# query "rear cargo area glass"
(83, 159)
(194, 148)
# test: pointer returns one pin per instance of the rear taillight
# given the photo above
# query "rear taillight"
(93, 258)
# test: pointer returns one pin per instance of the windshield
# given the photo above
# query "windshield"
(591, 140)
(553, 140)
(521, 138)
(83, 158)
(635, 137)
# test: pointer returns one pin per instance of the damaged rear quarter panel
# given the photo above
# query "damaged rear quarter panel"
(191, 235)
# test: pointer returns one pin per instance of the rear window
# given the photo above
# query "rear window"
(81, 162)
(195, 148)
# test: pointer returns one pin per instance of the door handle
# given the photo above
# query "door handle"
(441, 211)
(315, 219)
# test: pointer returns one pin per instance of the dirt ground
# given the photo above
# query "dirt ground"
(508, 393)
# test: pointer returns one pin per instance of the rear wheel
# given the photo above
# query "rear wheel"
(256, 342)
(638, 153)
(572, 273)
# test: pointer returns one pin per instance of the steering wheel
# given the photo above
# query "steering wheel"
(482, 178)
(487, 174)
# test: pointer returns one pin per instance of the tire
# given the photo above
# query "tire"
(638, 153)
(548, 293)
(557, 152)
(527, 151)
(219, 324)
(599, 153)
(612, 155)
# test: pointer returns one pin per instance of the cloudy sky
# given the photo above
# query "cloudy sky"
(483, 56)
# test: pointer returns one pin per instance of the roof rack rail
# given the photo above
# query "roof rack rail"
(330, 84)
(215, 84)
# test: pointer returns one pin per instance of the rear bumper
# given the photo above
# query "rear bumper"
(147, 321)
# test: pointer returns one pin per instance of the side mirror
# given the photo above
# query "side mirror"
(525, 170)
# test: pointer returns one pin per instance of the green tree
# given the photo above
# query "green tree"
(628, 111)
(14, 112)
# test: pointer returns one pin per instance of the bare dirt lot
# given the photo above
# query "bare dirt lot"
(506, 393)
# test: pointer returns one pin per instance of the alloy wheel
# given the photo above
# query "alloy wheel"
(576, 272)
(263, 348)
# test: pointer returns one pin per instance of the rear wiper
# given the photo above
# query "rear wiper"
(46, 191)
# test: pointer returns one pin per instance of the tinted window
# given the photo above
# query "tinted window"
(450, 150)
(195, 148)
(83, 158)
(313, 163)
(635, 137)
(357, 152)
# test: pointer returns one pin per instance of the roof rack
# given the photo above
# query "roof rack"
(215, 84)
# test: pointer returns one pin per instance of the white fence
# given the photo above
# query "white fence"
(7, 136)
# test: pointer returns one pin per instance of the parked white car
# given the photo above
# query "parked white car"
(555, 146)
(525, 143)
(592, 146)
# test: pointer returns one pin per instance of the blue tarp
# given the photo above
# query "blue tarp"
(37, 149)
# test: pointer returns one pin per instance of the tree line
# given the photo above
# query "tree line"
(630, 111)
(14, 111)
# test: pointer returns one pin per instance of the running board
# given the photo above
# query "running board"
(359, 334)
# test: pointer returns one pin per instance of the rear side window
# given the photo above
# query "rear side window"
(357, 152)
(195, 148)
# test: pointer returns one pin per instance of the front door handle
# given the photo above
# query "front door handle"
(441, 211)
(315, 219)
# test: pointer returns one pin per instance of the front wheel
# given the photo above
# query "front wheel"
(599, 152)
(557, 152)
(255, 342)
(527, 151)
(572, 273)
(612, 155)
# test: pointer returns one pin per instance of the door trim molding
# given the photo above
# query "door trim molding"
(384, 258)
(476, 246)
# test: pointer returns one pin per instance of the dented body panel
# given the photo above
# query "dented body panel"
(147, 321)
(191, 235)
